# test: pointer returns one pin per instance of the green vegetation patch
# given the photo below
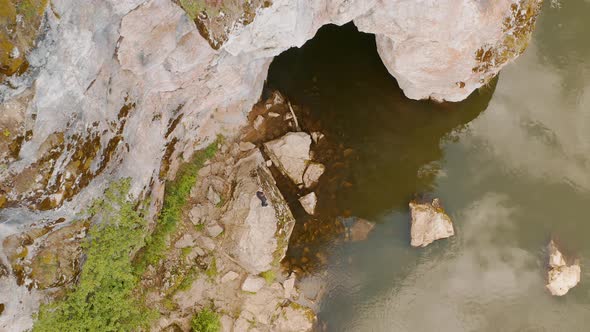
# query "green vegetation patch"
(269, 276)
(206, 321)
(215, 19)
(212, 269)
(103, 299)
(175, 198)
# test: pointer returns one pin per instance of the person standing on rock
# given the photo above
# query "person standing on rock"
(262, 198)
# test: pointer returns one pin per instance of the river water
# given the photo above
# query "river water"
(511, 166)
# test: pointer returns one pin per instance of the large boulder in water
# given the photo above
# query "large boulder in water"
(429, 223)
(561, 277)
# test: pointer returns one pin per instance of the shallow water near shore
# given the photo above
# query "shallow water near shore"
(511, 166)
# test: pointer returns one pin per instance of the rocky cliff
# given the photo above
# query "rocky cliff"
(94, 91)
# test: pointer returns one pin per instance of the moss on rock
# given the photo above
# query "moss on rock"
(19, 27)
(216, 19)
(517, 28)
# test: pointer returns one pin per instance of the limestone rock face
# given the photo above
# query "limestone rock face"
(561, 277)
(257, 235)
(291, 154)
(125, 88)
(128, 88)
(429, 223)
(444, 50)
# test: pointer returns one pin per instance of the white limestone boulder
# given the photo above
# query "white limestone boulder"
(561, 277)
(429, 223)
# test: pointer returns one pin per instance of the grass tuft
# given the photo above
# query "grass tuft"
(206, 321)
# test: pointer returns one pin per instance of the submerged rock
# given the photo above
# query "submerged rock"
(290, 154)
(561, 277)
(429, 223)
(309, 202)
(257, 236)
(360, 229)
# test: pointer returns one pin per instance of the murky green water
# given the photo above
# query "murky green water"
(511, 166)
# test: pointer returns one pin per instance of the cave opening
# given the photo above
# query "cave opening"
(339, 77)
(384, 149)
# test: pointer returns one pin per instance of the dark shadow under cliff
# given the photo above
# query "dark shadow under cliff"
(392, 142)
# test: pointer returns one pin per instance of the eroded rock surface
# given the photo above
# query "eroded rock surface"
(429, 223)
(561, 276)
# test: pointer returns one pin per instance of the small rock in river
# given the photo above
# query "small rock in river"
(312, 174)
(562, 277)
(316, 136)
(309, 202)
(429, 223)
(258, 122)
(360, 230)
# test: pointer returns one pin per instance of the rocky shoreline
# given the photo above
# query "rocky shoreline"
(226, 252)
